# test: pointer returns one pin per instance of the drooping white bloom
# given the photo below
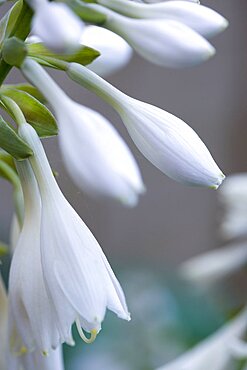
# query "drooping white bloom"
(165, 140)
(57, 26)
(115, 53)
(214, 352)
(214, 265)
(167, 43)
(200, 18)
(95, 155)
(233, 197)
(78, 279)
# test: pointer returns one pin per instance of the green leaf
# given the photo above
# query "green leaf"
(84, 55)
(3, 249)
(7, 23)
(31, 90)
(36, 113)
(12, 142)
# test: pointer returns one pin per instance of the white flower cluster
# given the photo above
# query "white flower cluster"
(59, 274)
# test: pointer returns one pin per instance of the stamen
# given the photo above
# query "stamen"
(83, 336)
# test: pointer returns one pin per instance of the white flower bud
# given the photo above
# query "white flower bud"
(164, 42)
(214, 265)
(57, 26)
(200, 18)
(115, 53)
(213, 352)
(96, 157)
(165, 140)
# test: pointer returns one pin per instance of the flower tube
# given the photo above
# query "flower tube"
(165, 140)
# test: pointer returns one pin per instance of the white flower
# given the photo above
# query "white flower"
(233, 197)
(78, 279)
(165, 140)
(167, 43)
(57, 26)
(115, 53)
(214, 265)
(96, 157)
(200, 18)
(214, 352)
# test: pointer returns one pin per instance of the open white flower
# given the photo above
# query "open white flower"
(214, 352)
(165, 140)
(165, 42)
(57, 26)
(115, 53)
(216, 264)
(95, 155)
(78, 279)
(200, 18)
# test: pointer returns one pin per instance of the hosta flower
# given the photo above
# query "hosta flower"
(215, 352)
(68, 266)
(165, 140)
(115, 53)
(167, 43)
(233, 197)
(200, 18)
(95, 155)
(56, 25)
(214, 265)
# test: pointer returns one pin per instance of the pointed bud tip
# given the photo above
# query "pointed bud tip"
(219, 182)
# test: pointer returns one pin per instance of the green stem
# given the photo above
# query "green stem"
(14, 109)
(20, 30)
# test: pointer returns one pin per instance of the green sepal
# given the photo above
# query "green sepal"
(36, 113)
(84, 55)
(14, 51)
(31, 90)
(7, 23)
(86, 13)
(12, 143)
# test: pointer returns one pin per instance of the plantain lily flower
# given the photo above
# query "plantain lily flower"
(216, 352)
(78, 280)
(57, 26)
(165, 140)
(201, 19)
(115, 53)
(96, 157)
(165, 42)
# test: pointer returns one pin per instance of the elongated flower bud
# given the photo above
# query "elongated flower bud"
(165, 140)
(167, 43)
(200, 18)
(78, 279)
(115, 53)
(214, 350)
(215, 265)
(57, 26)
(96, 157)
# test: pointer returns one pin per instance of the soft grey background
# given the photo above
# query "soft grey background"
(172, 222)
